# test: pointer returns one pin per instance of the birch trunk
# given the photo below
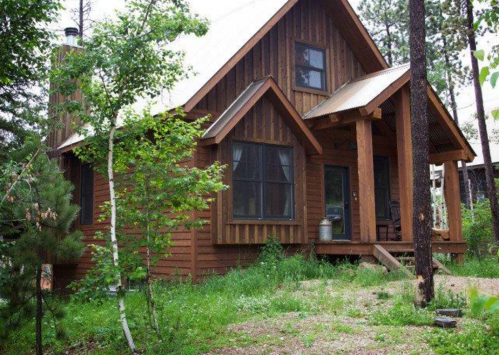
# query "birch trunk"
(114, 240)
(420, 142)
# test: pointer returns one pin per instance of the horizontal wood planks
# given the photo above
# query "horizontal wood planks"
(179, 263)
(306, 22)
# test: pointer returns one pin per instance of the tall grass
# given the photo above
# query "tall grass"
(194, 317)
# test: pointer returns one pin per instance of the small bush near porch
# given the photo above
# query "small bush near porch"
(283, 305)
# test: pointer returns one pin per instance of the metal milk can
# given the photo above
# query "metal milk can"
(325, 230)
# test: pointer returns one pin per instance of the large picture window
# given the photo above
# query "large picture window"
(382, 187)
(262, 181)
(86, 195)
(310, 67)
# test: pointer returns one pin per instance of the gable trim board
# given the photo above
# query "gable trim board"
(249, 97)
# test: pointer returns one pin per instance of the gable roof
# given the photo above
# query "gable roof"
(249, 97)
(235, 27)
(363, 91)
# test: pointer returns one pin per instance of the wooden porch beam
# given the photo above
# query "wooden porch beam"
(452, 195)
(366, 180)
(454, 155)
(345, 118)
(404, 160)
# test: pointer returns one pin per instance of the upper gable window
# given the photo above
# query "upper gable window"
(310, 67)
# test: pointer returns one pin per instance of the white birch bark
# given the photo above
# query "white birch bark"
(114, 241)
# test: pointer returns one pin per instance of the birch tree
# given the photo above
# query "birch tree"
(123, 60)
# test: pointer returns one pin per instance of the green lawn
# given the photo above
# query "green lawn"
(275, 304)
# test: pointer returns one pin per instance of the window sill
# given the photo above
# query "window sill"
(264, 222)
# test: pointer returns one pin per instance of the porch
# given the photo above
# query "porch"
(365, 119)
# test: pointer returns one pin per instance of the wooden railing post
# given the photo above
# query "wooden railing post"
(452, 194)
(365, 162)
(404, 158)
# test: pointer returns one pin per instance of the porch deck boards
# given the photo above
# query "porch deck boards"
(340, 247)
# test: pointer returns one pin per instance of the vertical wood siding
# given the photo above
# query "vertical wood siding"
(274, 55)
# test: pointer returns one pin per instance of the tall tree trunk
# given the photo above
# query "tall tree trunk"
(114, 241)
(389, 44)
(39, 311)
(482, 126)
(80, 22)
(420, 147)
(450, 84)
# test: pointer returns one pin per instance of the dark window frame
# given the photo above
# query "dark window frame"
(323, 71)
(263, 181)
(87, 210)
(387, 188)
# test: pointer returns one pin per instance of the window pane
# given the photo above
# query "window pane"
(315, 79)
(278, 164)
(246, 161)
(302, 55)
(382, 187)
(317, 58)
(246, 198)
(381, 204)
(306, 77)
(278, 200)
(309, 56)
(86, 194)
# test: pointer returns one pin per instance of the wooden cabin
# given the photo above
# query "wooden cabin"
(311, 121)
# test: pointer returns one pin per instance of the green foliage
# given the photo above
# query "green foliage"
(402, 313)
(477, 228)
(25, 51)
(127, 61)
(40, 215)
(272, 251)
(471, 338)
(484, 266)
(388, 24)
(194, 317)
(447, 299)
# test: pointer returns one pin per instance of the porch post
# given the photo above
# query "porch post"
(404, 159)
(452, 194)
(366, 180)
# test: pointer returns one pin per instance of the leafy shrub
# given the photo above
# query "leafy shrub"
(447, 299)
(471, 339)
(402, 314)
(477, 228)
(272, 251)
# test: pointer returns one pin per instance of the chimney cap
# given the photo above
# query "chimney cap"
(71, 31)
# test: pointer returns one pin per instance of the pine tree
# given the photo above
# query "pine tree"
(388, 23)
(422, 218)
(40, 217)
(482, 125)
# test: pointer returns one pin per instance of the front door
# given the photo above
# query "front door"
(337, 190)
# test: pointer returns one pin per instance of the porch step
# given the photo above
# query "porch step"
(406, 264)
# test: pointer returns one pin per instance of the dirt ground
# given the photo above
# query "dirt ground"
(342, 332)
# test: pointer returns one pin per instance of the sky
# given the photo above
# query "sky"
(466, 97)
